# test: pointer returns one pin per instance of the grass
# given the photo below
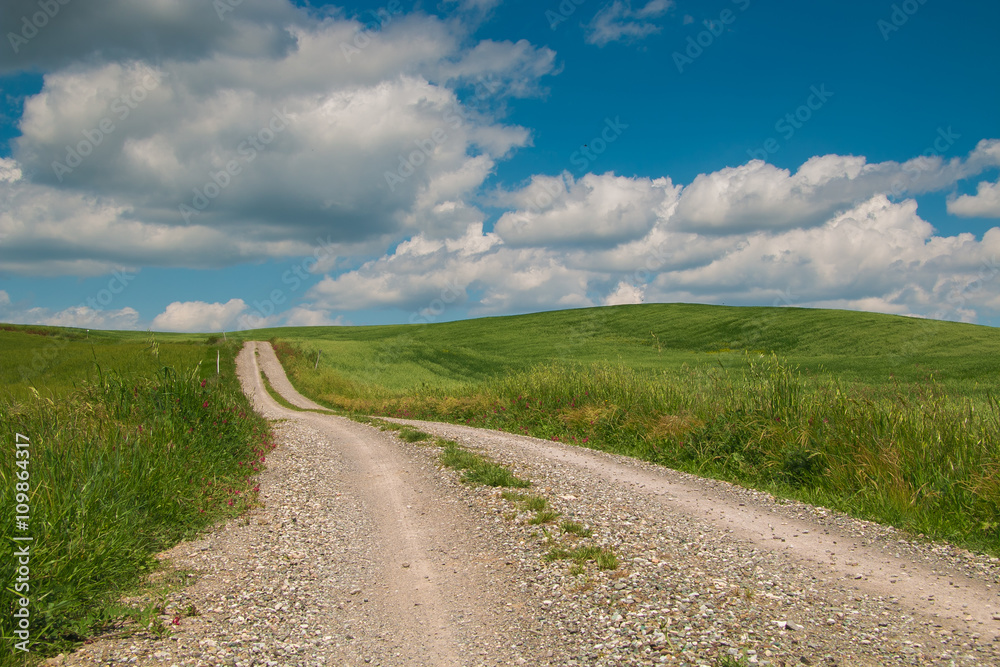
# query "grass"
(478, 469)
(605, 559)
(535, 503)
(411, 435)
(543, 517)
(574, 528)
(888, 418)
(134, 446)
(273, 393)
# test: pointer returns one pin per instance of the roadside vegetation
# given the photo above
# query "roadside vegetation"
(891, 419)
(135, 444)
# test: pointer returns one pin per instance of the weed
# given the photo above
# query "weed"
(477, 469)
(410, 435)
(544, 516)
(605, 559)
(575, 529)
(535, 503)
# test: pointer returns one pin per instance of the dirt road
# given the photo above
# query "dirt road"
(367, 552)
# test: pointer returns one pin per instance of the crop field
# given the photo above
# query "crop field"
(128, 444)
(889, 418)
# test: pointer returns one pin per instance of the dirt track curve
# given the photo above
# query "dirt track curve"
(366, 552)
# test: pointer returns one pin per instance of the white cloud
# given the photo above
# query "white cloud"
(984, 204)
(619, 22)
(625, 293)
(368, 145)
(307, 317)
(9, 170)
(605, 210)
(198, 316)
(758, 195)
(878, 255)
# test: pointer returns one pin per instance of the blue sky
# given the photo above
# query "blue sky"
(267, 163)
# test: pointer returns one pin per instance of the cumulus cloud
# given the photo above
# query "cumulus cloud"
(605, 210)
(619, 22)
(878, 255)
(758, 195)
(236, 155)
(984, 204)
(302, 316)
(625, 293)
(198, 316)
(9, 170)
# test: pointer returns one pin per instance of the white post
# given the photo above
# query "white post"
(216, 362)
(317, 359)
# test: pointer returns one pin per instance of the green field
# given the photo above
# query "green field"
(852, 346)
(890, 418)
(130, 443)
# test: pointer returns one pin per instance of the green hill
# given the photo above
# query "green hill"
(853, 346)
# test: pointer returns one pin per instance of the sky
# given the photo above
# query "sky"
(196, 165)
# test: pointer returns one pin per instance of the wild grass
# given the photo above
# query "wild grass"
(478, 469)
(535, 503)
(574, 528)
(411, 435)
(605, 559)
(127, 458)
(890, 419)
(543, 517)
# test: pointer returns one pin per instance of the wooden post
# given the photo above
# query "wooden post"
(317, 359)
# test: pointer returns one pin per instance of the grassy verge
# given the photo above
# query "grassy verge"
(121, 466)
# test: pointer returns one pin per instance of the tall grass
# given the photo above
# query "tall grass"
(122, 467)
(907, 454)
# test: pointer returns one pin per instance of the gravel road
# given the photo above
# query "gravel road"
(366, 551)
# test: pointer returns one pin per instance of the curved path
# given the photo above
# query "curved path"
(365, 551)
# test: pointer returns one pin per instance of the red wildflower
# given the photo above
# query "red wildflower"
(205, 404)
